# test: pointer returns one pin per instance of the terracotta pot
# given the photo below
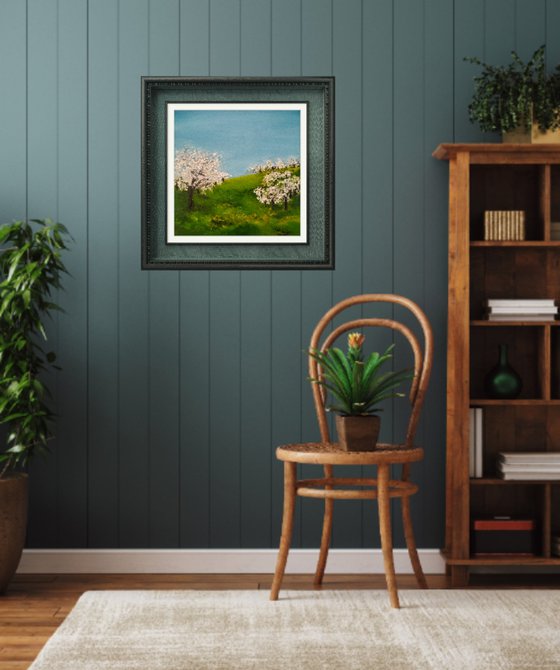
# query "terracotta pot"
(13, 525)
(358, 433)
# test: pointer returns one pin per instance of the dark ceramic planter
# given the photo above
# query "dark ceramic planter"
(357, 433)
(13, 525)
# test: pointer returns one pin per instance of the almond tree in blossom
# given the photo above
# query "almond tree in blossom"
(277, 188)
(277, 164)
(197, 170)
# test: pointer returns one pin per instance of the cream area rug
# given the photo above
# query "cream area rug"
(307, 630)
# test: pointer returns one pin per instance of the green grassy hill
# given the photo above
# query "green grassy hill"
(232, 208)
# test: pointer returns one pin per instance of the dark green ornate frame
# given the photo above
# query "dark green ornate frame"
(318, 94)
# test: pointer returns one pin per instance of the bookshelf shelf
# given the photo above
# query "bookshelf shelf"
(484, 323)
(494, 481)
(534, 244)
(504, 560)
(485, 178)
(519, 402)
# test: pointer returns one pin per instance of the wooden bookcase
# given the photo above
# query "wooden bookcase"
(501, 177)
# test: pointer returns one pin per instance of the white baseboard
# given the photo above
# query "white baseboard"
(217, 561)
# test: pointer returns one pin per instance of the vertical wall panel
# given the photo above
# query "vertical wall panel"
(103, 287)
(438, 123)
(347, 276)
(287, 357)
(177, 386)
(225, 301)
(377, 192)
(194, 351)
(316, 287)
(71, 428)
(42, 202)
(13, 117)
(499, 30)
(133, 292)
(468, 42)
(163, 289)
(256, 37)
(552, 19)
(256, 448)
(530, 26)
(409, 225)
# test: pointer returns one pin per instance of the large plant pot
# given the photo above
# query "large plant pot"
(13, 525)
(357, 433)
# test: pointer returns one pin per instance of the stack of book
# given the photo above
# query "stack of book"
(475, 441)
(531, 466)
(521, 310)
(504, 225)
(555, 545)
(502, 535)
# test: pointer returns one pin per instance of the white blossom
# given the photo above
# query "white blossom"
(197, 170)
(277, 164)
(278, 187)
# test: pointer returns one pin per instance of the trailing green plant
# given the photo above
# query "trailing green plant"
(511, 96)
(357, 384)
(30, 271)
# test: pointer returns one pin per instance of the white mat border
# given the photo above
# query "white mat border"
(216, 561)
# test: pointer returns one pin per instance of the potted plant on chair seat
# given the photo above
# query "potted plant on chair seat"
(30, 270)
(358, 387)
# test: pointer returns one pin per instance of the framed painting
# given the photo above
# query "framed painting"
(237, 173)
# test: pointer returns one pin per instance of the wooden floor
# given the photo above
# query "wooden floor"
(35, 605)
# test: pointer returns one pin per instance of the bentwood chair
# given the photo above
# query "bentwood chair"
(329, 454)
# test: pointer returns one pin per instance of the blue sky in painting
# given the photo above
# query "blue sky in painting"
(242, 137)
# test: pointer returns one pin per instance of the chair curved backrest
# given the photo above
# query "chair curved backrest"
(422, 354)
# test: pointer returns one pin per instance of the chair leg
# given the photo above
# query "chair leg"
(411, 544)
(287, 527)
(409, 534)
(384, 505)
(326, 535)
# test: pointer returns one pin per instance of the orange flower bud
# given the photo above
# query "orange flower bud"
(355, 340)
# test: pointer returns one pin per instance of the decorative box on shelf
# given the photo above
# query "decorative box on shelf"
(503, 535)
(504, 225)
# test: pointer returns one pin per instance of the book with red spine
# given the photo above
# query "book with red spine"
(504, 524)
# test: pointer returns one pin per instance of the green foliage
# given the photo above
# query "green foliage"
(231, 208)
(357, 385)
(30, 270)
(509, 96)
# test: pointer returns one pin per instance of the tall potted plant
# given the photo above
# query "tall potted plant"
(357, 386)
(519, 100)
(30, 271)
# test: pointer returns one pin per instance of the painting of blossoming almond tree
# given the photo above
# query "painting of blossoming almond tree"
(237, 173)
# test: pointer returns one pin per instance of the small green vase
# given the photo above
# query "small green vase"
(503, 381)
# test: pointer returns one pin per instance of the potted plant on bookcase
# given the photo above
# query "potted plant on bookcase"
(358, 387)
(519, 100)
(30, 271)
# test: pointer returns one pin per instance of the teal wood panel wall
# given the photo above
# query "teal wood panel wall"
(176, 386)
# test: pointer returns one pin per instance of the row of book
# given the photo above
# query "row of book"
(476, 439)
(529, 465)
(504, 225)
(555, 231)
(521, 310)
